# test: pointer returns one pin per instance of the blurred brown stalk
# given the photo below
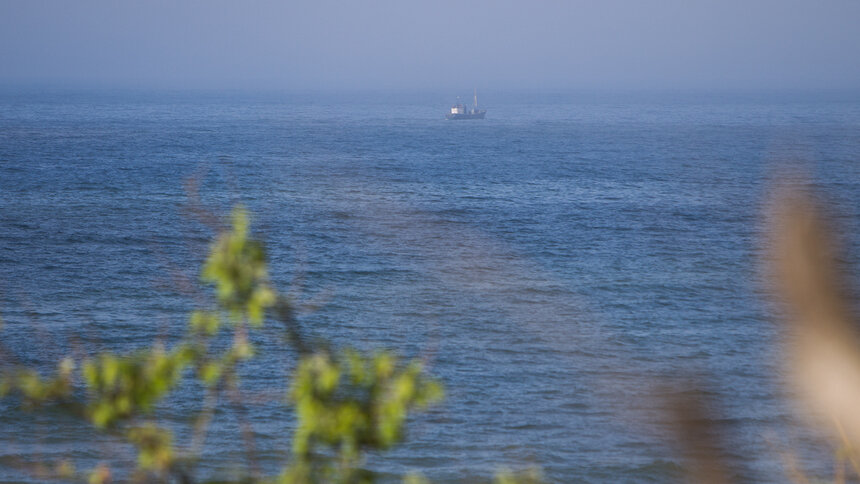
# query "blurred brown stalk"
(822, 355)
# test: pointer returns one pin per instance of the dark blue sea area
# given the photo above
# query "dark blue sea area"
(559, 264)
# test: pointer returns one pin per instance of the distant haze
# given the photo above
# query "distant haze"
(781, 44)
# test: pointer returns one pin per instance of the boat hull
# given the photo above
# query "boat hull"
(478, 115)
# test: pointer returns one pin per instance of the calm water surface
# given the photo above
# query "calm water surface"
(555, 262)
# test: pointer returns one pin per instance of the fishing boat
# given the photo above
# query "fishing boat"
(459, 111)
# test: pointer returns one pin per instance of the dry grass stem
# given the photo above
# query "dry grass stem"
(823, 355)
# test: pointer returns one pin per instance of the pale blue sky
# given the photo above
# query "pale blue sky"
(442, 43)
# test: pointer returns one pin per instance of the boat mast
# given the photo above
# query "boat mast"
(476, 98)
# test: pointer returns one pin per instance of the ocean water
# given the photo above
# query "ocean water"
(559, 264)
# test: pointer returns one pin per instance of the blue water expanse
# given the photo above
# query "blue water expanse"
(556, 262)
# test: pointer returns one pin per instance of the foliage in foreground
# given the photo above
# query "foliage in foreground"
(348, 403)
(345, 402)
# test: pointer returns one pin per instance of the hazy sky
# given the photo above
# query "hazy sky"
(436, 43)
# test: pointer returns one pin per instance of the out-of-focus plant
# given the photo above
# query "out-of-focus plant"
(346, 403)
(124, 386)
(821, 351)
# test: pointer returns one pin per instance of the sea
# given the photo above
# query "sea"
(565, 267)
